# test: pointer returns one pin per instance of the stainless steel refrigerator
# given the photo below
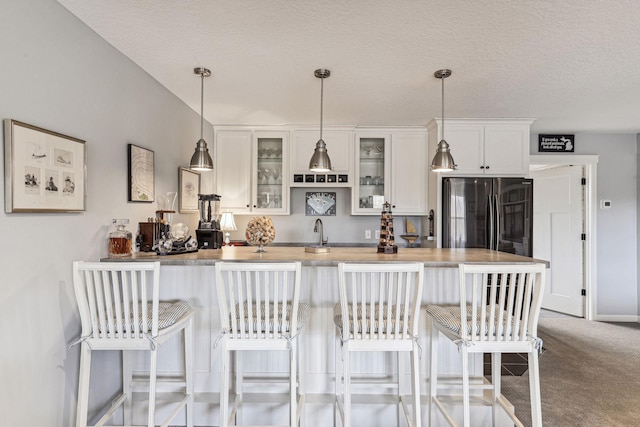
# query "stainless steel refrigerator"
(492, 213)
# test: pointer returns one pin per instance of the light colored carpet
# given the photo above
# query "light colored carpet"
(589, 374)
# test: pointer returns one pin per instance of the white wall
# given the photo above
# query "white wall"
(617, 253)
(58, 74)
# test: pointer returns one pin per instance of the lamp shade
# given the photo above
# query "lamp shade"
(443, 161)
(227, 222)
(320, 161)
(201, 159)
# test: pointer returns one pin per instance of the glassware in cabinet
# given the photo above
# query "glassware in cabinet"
(269, 174)
(371, 173)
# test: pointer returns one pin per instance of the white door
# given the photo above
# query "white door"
(557, 236)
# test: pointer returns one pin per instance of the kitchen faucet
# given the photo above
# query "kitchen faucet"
(317, 229)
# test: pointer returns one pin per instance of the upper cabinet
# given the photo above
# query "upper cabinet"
(251, 168)
(390, 165)
(485, 146)
(339, 141)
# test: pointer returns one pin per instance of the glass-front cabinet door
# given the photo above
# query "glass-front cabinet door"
(271, 172)
(371, 185)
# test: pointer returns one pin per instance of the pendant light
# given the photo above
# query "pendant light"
(320, 161)
(443, 161)
(201, 159)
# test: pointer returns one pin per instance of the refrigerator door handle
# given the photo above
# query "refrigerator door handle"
(491, 222)
(496, 208)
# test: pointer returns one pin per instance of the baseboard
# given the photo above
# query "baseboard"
(617, 318)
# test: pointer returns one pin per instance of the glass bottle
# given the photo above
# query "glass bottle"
(120, 240)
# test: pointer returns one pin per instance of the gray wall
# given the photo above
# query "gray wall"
(58, 74)
(617, 272)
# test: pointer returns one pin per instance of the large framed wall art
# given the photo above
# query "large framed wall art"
(44, 171)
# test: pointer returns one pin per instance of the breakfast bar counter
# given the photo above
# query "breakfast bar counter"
(431, 257)
(191, 276)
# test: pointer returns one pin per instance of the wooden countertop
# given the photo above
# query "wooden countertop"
(442, 258)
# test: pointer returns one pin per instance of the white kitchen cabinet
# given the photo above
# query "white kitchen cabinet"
(409, 173)
(339, 141)
(485, 146)
(252, 169)
(391, 165)
(233, 150)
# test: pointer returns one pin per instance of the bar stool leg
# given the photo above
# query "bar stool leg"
(346, 361)
(465, 386)
(153, 369)
(415, 385)
(188, 370)
(433, 375)
(127, 377)
(293, 369)
(534, 388)
(83, 385)
(496, 373)
(224, 384)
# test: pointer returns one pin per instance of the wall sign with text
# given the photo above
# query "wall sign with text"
(556, 143)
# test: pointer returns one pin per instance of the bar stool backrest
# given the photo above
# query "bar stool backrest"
(379, 301)
(505, 300)
(117, 300)
(257, 300)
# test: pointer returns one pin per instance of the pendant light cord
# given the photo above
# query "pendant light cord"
(201, 105)
(442, 107)
(321, 102)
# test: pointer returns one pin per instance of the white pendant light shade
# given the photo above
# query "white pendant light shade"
(320, 161)
(443, 160)
(201, 159)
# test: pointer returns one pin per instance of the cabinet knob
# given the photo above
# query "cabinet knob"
(481, 167)
(255, 206)
(486, 167)
(393, 206)
(250, 205)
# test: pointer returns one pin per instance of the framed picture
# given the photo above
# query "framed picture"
(141, 174)
(44, 171)
(189, 184)
(320, 203)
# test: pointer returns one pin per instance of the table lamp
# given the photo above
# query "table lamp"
(227, 223)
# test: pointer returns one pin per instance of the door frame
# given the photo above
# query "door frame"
(590, 164)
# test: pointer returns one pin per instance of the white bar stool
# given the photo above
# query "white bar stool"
(498, 313)
(379, 310)
(120, 310)
(259, 310)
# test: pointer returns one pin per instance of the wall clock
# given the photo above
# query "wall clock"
(320, 203)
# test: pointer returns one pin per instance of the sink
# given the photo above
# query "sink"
(316, 249)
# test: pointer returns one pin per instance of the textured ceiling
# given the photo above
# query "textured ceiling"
(574, 65)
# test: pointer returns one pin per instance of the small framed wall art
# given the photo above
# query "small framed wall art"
(189, 184)
(44, 171)
(320, 203)
(141, 174)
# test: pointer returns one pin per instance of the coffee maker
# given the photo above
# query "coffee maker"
(208, 233)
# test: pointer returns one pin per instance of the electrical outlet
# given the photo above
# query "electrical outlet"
(367, 234)
(377, 234)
